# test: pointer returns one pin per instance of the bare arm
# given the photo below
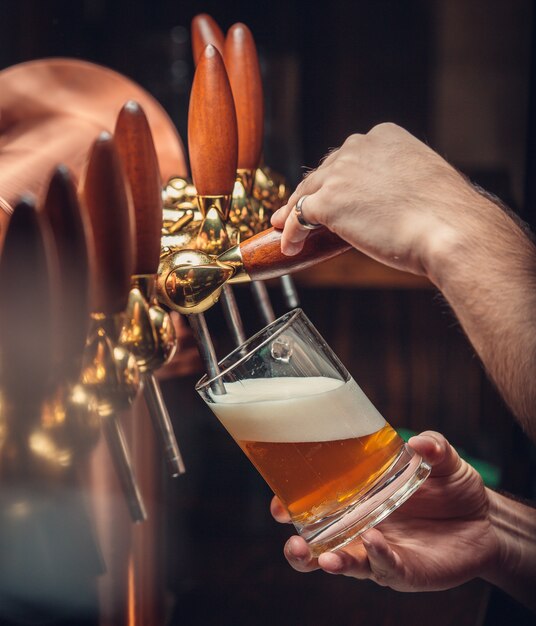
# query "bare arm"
(515, 570)
(486, 270)
(395, 199)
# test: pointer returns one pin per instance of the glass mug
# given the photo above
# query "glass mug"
(326, 452)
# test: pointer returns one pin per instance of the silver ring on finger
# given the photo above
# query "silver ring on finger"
(298, 209)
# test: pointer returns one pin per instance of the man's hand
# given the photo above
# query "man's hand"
(441, 537)
(392, 197)
(386, 193)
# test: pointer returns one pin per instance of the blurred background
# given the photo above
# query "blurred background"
(460, 75)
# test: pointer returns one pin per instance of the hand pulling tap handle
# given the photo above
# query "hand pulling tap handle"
(205, 31)
(137, 152)
(115, 382)
(193, 287)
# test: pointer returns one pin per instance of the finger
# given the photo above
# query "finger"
(299, 555)
(294, 234)
(436, 451)
(278, 511)
(313, 179)
(352, 563)
(309, 185)
(385, 563)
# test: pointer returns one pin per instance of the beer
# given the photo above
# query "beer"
(317, 441)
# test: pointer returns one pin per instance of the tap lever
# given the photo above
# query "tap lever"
(70, 230)
(110, 371)
(137, 153)
(212, 128)
(242, 64)
(123, 466)
(205, 31)
(147, 332)
(28, 269)
(108, 201)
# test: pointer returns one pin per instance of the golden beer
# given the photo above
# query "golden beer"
(316, 478)
(311, 432)
(316, 441)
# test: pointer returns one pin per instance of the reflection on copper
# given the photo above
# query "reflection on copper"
(51, 112)
(132, 613)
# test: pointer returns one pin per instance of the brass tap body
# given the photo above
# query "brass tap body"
(147, 331)
(109, 371)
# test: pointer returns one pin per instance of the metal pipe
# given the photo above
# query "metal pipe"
(262, 300)
(123, 466)
(290, 293)
(162, 423)
(199, 327)
(232, 315)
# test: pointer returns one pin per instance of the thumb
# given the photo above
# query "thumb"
(436, 451)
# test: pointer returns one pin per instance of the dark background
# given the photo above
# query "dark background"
(457, 74)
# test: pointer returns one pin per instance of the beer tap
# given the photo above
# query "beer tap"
(213, 141)
(182, 216)
(247, 212)
(258, 191)
(148, 332)
(210, 237)
(212, 137)
(70, 425)
(205, 31)
(109, 371)
(193, 285)
(46, 535)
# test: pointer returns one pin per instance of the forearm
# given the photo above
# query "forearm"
(514, 569)
(485, 266)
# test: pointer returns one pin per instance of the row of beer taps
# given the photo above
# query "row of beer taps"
(107, 259)
(215, 227)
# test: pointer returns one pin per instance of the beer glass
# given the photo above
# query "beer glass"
(308, 428)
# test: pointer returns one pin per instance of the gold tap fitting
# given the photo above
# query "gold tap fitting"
(147, 332)
(109, 371)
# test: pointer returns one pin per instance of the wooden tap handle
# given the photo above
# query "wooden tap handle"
(135, 146)
(205, 31)
(28, 306)
(263, 259)
(109, 204)
(242, 64)
(72, 237)
(212, 131)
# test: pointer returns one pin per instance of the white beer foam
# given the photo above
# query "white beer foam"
(296, 409)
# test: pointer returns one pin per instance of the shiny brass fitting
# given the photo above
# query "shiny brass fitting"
(233, 258)
(68, 428)
(190, 281)
(195, 222)
(270, 188)
(147, 332)
(212, 237)
(109, 371)
(180, 193)
(247, 214)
